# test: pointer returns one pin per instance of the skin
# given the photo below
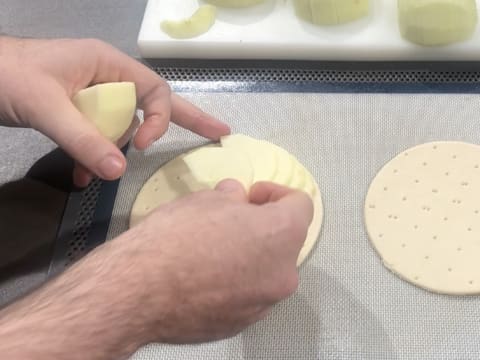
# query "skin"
(198, 269)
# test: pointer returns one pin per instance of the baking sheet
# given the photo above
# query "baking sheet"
(348, 305)
(272, 31)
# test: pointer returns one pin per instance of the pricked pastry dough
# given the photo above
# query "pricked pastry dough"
(422, 214)
(176, 179)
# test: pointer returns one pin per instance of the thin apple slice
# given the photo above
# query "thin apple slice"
(210, 165)
(199, 23)
(260, 153)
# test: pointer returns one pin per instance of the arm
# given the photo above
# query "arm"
(89, 312)
(230, 259)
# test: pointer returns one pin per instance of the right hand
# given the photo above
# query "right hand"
(216, 261)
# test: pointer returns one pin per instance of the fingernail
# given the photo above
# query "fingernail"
(111, 167)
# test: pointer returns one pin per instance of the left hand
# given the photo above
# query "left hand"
(40, 77)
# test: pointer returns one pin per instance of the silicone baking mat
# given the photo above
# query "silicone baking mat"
(348, 306)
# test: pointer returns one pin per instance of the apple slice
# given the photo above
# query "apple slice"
(299, 176)
(437, 22)
(110, 106)
(310, 186)
(331, 12)
(285, 166)
(199, 23)
(210, 165)
(260, 153)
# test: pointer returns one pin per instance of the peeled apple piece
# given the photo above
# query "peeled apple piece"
(235, 3)
(262, 156)
(437, 22)
(110, 106)
(285, 166)
(199, 23)
(299, 177)
(211, 165)
(331, 12)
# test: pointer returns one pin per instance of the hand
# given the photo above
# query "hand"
(223, 258)
(199, 269)
(40, 77)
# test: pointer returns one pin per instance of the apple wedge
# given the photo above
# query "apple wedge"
(199, 23)
(110, 106)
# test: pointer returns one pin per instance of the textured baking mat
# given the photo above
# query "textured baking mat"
(348, 305)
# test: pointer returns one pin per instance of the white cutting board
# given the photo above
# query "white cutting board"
(272, 31)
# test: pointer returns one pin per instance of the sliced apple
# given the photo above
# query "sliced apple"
(210, 165)
(110, 106)
(260, 153)
(310, 187)
(331, 12)
(285, 166)
(437, 22)
(299, 176)
(199, 23)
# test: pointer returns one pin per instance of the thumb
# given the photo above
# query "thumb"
(79, 137)
(265, 192)
(233, 189)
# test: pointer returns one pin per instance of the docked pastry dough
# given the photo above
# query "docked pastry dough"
(422, 214)
(240, 157)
